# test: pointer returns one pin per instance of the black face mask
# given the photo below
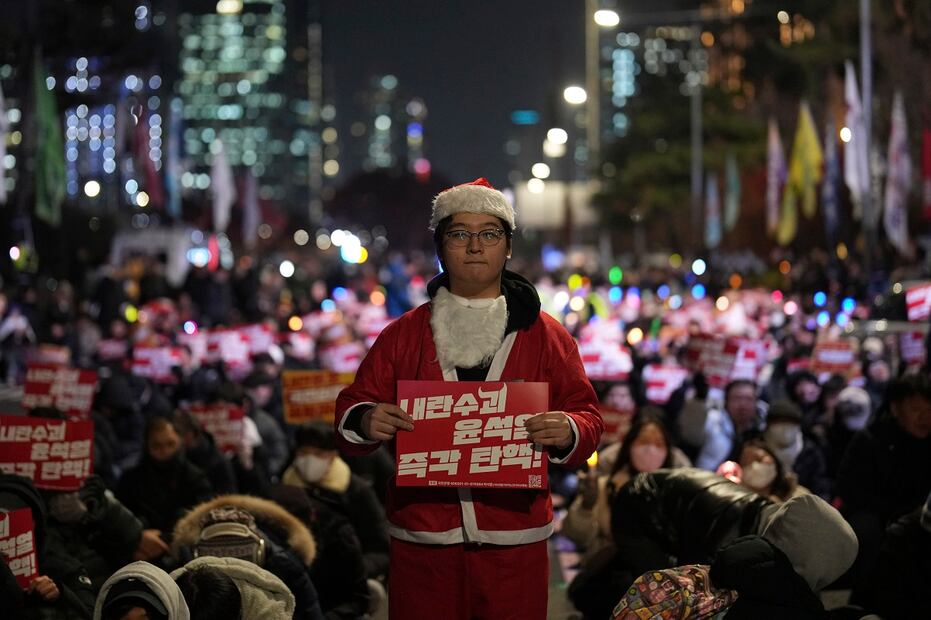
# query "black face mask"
(168, 465)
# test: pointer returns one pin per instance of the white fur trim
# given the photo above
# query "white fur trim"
(471, 199)
(467, 332)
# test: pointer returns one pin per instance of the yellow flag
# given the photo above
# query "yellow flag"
(805, 169)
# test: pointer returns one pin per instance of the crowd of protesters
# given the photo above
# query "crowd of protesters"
(773, 485)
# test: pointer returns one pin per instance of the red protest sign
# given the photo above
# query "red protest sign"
(230, 346)
(605, 361)
(224, 422)
(67, 389)
(342, 357)
(836, 358)
(912, 348)
(470, 434)
(54, 454)
(616, 422)
(45, 353)
(196, 343)
(18, 546)
(112, 349)
(918, 302)
(302, 345)
(259, 336)
(156, 363)
(311, 394)
(661, 381)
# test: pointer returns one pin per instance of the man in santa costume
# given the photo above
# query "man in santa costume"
(472, 552)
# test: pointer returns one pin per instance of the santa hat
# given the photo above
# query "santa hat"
(475, 197)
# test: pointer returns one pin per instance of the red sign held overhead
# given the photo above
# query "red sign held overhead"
(224, 422)
(156, 363)
(912, 348)
(835, 358)
(661, 381)
(18, 546)
(918, 302)
(54, 454)
(69, 390)
(471, 434)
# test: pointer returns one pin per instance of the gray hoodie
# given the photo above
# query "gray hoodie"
(814, 536)
(264, 596)
(161, 584)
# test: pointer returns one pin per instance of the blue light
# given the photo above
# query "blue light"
(820, 299)
(525, 117)
(698, 291)
(824, 317)
(615, 295)
(633, 292)
(328, 305)
(663, 291)
(675, 302)
(190, 327)
(414, 130)
(842, 319)
(339, 293)
(848, 305)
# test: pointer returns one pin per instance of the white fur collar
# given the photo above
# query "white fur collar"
(467, 332)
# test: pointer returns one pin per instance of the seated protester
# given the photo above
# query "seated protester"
(258, 531)
(763, 473)
(259, 390)
(63, 589)
(804, 391)
(797, 451)
(92, 528)
(201, 450)
(672, 518)
(338, 572)
(115, 409)
(262, 596)
(690, 425)
(318, 469)
(267, 446)
(646, 447)
(726, 428)
(141, 590)
(900, 577)
(886, 471)
(164, 485)
(852, 413)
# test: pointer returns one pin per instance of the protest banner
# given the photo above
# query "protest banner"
(69, 390)
(912, 348)
(471, 434)
(661, 381)
(834, 358)
(616, 423)
(231, 347)
(918, 302)
(196, 344)
(112, 349)
(156, 363)
(344, 357)
(302, 345)
(58, 355)
(224, 421)
(311, 394)
(259, 336)
(605, 361)
(54, 454)
(18, 546)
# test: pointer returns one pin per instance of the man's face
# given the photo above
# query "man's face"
(475, 269)
(914, 416)
(741, 406)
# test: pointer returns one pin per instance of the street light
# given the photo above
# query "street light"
(606, 18)
(557, 135)
(575, 95)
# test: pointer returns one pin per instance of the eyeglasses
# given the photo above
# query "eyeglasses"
(487, 238)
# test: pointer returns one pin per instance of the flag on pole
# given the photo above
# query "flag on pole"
(712, 212)
(804, 175)
(830, 185)
(926, 172)
(251, 217)
(174, 167)
(223, 187)
(898, 180)
(856, 159)
(4, 128)
(775, 176)
(731, 192)
(50, 150)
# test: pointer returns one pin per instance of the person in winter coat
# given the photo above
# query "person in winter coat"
(201, 450)
(726, 428)
(140, 587)
(262, 596)
(318, 470)
(164, 484)
(886, 471)
(287, 547)
(338, 572)
(452, 549)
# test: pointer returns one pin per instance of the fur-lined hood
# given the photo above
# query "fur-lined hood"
(187, 530)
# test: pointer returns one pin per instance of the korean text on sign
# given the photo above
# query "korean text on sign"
(470, 433)
(311, 394)
(224, 422)
(54, 454)
(17, 545)
(69, 390)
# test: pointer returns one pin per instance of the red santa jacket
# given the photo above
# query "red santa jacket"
(542, 352)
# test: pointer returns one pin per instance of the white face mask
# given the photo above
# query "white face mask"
(759, 475)
(312, 467)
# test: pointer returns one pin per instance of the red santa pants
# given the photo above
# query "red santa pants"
(468, 581)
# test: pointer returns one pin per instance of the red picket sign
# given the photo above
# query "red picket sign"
(661, 381)
(17, 545)
(259, 336)
(471, 434)
(912, 348)
(156, 363)
(918, 302)
(224, 422)
(836, 358)
(69, 390)
(54, 454)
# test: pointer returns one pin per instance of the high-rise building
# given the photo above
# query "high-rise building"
(250, 76)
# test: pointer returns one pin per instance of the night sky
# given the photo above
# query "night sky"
(472, 62)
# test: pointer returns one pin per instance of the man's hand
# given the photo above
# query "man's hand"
(151, 546)
(45, 587)
(550, 429)
(383, 421)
